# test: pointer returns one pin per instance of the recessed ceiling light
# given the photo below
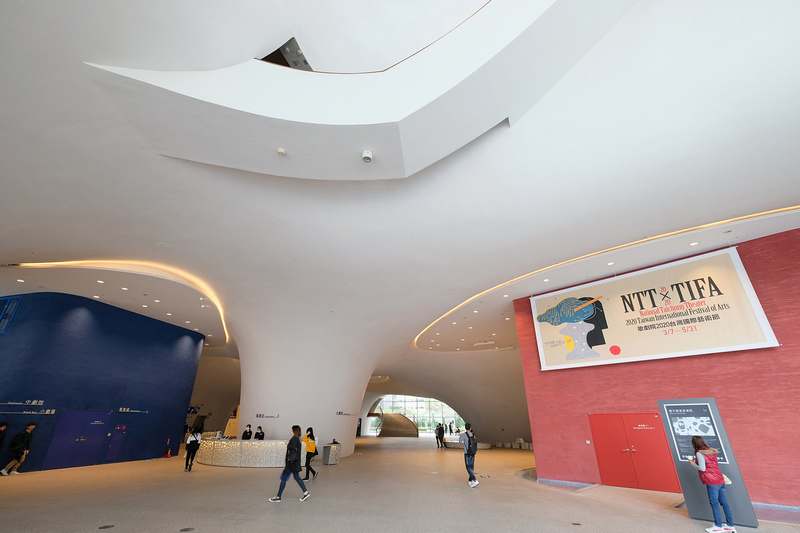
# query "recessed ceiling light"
(454, 323)
(143, 305)
(21, 280)
(95, 297)
(470, 327)
(693, 243)
(169, 314)
(494, 333)
(458, 349)
(124, 288)
(462, 339)
(475, 311)
(203, 305)
(201, 297)
(188, 322)
(437, 332)
(508, 318)
(157, 301)
(546, 279)
(100, 281)
(438, 345)
(505, 296)
(610, 263)
(430, 348)
(432, 340)
(196, 329)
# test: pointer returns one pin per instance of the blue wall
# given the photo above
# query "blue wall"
(65, 352)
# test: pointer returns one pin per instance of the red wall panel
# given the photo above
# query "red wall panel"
(757, 391)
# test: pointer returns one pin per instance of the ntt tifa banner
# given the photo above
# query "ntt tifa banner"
(701, 305)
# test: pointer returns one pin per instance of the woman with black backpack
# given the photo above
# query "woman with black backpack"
(192, 445)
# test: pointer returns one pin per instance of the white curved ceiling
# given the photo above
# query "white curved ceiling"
(683, 114)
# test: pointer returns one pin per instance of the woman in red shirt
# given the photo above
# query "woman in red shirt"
(705, 461)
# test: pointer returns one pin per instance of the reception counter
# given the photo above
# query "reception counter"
(245, 453)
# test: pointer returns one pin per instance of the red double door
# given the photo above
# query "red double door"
(632, 451)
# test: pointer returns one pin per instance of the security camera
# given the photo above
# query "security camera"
(366, 156)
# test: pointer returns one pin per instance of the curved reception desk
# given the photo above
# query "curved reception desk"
(245, 453)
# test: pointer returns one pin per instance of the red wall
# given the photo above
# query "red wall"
(757, 391)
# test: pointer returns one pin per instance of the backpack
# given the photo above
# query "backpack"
(472, 444)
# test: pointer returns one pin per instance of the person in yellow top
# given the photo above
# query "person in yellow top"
(311, 452)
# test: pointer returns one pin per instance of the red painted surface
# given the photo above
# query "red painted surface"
(757, 391)
(614, 458)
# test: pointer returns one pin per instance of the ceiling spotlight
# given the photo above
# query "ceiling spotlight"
(124, 288)
(95, 297)
(21, 280)
(281, 151)
(546, 279)
(169, 314)
(100, 281)
(157, 301)
(693, 243)
(366, 156)
(508, 318)
(505, 296)
(144, 305)
(610, 263)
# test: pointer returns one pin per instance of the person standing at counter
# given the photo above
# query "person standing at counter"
(247, 433)
(293, 467)
(311, 452)
(192, 445)
(259, 434)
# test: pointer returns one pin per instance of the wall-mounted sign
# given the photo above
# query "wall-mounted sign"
(701, 305)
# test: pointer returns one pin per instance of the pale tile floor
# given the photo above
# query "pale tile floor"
(387, 485)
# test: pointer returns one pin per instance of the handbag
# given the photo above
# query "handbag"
(727, 479)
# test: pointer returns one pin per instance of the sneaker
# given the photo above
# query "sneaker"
(185, 469)
(305, 479)
(714, 529)
(14, 473)
(306, 496)
(315, 475)
(471, 483)
(275, 499)
(3, 472)
(726, 527)
(474, 483)
(190, 466)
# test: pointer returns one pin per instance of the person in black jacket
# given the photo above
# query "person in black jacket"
(248, 433)
(293, 466)
(259, 434)
(20, 445)
(3, 428)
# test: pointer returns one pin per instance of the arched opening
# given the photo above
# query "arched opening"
(425, 413)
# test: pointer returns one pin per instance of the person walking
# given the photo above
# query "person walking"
(470, 443)
(20, 445)
(311, 452)
(192, 445)
(292, 466)
(705, 461)
(440, 436)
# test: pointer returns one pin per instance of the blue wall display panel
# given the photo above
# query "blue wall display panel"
(64, 353)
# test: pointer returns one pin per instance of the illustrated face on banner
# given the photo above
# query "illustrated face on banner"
(701, 305)
(583, 322)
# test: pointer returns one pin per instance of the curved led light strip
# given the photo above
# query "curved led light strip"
(593, 254)
(145, 267)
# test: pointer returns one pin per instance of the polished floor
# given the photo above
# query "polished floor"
(387, 485)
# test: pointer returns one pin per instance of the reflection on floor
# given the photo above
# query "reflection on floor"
(396, 484)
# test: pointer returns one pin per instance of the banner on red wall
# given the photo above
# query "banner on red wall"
(701, 305)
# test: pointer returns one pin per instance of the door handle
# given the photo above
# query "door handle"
(633, 449)
(626, 450)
